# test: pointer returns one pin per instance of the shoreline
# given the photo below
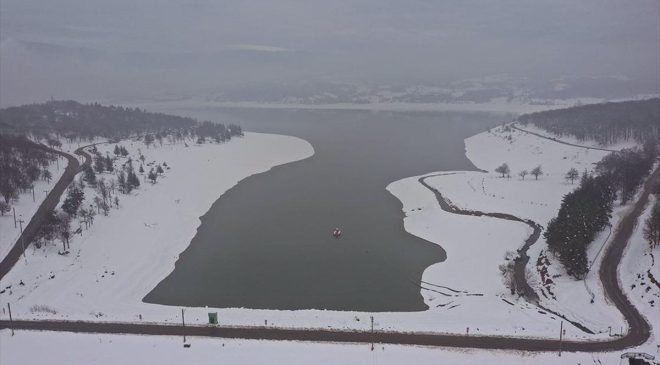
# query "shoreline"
(471, 302)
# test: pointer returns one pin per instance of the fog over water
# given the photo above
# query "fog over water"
(131, 51)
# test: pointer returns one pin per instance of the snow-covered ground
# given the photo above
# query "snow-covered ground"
(27, 348)
(26, 207)
(483, 242)
(109, 270)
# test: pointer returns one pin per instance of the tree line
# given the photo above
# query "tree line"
(75, 121)
(606, 123)
(652, 223)
(22, 162)
(586, 211)
(106, 182)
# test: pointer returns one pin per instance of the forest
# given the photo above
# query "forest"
(586, 211)
(22, 162)
(27, 131)
(73, 120)
(606, 123)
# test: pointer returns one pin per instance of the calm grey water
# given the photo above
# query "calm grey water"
(266, 243)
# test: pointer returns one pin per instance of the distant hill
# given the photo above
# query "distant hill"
(70, 118)
(606, 123)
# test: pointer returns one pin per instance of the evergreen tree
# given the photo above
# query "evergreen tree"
(108, 163)
(152, 176)
(121, 182)
(652, 225)
(132, 180)
(88, 174)
(4, 208)
(148, 139)
(99, 164)
(75, 197)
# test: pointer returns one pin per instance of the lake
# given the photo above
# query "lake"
(267, 243)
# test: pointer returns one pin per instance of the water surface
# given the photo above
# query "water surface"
(266, 243)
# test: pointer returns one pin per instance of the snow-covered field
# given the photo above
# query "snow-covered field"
(483, 242)
(109, 269)
(26, 207)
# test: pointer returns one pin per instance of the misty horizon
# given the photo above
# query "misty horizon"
(261, 51)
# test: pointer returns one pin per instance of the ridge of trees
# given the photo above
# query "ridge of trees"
(606, 123)
(586, 211)
(73, 120)
(652, 224)
(22, 161)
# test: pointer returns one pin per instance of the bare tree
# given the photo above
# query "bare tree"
(537, 171)
(572, 174)
(523, 173)
(503, 169)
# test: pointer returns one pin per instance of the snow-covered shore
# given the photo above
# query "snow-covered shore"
(124, 255)
(483, 242)
(108, 272)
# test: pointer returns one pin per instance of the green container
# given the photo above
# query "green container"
(213, 318)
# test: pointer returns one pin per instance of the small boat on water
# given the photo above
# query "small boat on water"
(336, 233)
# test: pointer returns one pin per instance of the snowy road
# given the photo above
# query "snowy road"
(51, 201)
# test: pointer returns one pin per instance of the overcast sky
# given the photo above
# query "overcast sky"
(128, 49)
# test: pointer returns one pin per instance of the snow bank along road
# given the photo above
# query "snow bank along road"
(638, 333)
(51, 201)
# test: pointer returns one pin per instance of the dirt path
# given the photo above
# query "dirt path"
(522, 287)
(560, 141)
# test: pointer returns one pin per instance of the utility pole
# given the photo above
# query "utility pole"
(183, 321)
(33, 199)
(561, 335)
(14, 208)
(11, 321)
(372, 333)
(20, 221)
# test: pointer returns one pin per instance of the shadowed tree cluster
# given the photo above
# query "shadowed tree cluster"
(22, 162)
(605, 123)
(586, 211)
(73, 121)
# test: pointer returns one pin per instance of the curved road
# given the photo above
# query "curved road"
(638, 334)
(51, 201)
